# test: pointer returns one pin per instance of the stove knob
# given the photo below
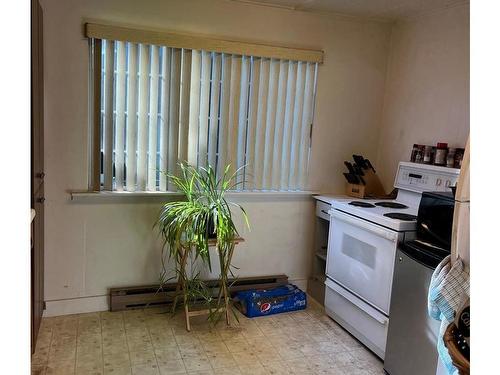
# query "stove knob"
(438, 182)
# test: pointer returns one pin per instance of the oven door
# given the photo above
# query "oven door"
(361, 258)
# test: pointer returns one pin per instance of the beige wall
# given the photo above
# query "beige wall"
(95, 245)
(427, 91)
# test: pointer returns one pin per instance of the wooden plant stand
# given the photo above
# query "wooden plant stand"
(225, 263)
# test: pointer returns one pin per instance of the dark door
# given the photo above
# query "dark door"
(37, 171)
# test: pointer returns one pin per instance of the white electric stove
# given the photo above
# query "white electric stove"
(401, 216)
(364, 235)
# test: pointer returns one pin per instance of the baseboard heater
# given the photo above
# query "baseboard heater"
(137, 297)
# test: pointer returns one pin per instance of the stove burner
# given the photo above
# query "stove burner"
(361, 204)
(390, 205)
(400, 216)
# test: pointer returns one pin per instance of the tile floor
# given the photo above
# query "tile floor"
(152, 342)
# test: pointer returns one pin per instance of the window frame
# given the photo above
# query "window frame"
(95, 113)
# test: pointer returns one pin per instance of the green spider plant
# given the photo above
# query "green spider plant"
(203, 210)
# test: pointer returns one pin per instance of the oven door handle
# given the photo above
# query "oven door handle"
(360, 223)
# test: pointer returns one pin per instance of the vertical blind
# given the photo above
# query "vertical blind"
(162, 105)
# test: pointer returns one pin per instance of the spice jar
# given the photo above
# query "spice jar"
(419, 157)
(414, 151)
(450, 158)
(441, 151)
(459, 155)
(427, 155)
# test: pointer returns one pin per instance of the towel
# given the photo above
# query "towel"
(448, 285)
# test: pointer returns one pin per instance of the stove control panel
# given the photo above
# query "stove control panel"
(422, 177)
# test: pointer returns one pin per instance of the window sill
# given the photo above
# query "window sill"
(96, 196)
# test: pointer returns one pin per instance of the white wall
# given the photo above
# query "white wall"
(427, 91)
(92, 246)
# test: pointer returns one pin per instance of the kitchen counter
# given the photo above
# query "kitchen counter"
(330, 198)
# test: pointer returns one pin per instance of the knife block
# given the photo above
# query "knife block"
(372, 189)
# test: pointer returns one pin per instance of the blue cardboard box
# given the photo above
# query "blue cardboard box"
(262, 302)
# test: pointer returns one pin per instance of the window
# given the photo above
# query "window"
(161, 105)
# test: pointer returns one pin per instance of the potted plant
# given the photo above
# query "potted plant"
(188, 226)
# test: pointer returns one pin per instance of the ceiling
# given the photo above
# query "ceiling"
(386, 9)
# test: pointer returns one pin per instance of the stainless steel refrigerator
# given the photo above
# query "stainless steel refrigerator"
(412, 335)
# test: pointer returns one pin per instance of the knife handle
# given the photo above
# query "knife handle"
(350, 167)
(359, 170)
(370, 165)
